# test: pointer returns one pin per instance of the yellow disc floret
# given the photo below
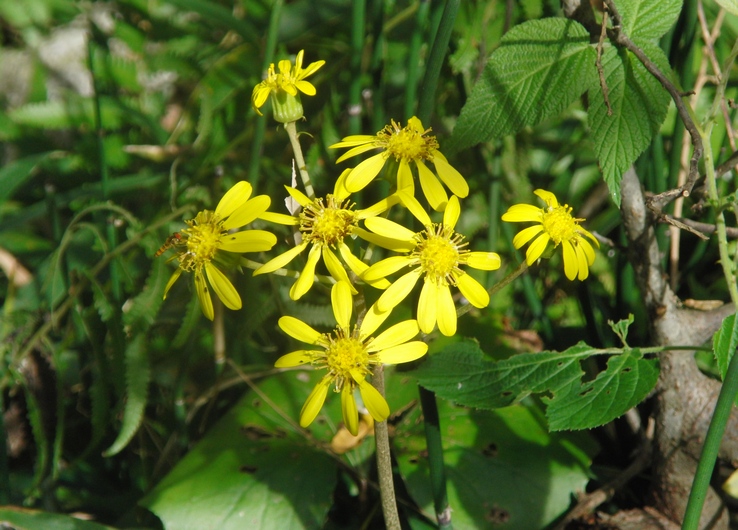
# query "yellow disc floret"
(407, 143)
(439, 252)
(344, 354)
(203, 238)
(560, 224)
(327, 223)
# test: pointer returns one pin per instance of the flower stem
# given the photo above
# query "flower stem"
(384, 462)
(291, 129)
(434, 445)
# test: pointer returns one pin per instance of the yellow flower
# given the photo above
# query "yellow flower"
(556, 224)
(411, 144)
(323, 225)
(348, 355)
(436, 254)
(283, 87)
(208, 233)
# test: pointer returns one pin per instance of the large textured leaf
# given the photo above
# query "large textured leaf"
(724, 343)
(504, 469)
(639, 104)
(540, 67)
(252, 470)
(459, 373)
(646, 19)
(138, 375)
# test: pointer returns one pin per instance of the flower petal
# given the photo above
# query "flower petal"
(446, 314)
(411, 203)
(223, 287)
(522, 213)
(536, 249)
(314, 402)
(525, 235)
(378, 208)
(390, 229)
(450, 176)
(432, 188)
(483, 261)
(384, 268)
(405, 178)
(427, 307)
(336, 268)
(307, 276)
(302, 199)
(393, 336)
(297, 329)
(570, 260)
(452, 212)
(349, 410)
(373, 401)
(342, 303)
(203, 295)
(281, 260)
(248, 241)
(581, 262)
(472, 290)
(280, 218)
(404, 353)
(365, 172)
(296, 358)
(361, 148)
(173, 278)
(306, 87)
(233, 199)
(248, 212)
(351, 141)
(373, 318)
(358, 267)
(398, 291)
(389, 243)
(548, 197)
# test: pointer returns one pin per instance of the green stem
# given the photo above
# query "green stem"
(384, 461)
(358, 29)
(413, 61)
(291, 129)
(434, 444)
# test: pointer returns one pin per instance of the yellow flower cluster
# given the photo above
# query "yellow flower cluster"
(329, 229)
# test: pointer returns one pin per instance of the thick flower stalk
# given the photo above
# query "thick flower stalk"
(348, 355)
(437, 254)
(411, 144)
(282, 88)
(324, 225)
(554, 223)
(199, 246)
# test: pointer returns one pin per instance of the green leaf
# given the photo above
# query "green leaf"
(26, 519)
(493, 456)
(621, 328)
(731, 6)
(539, 69)
(639, 104)
(138, 375)
(17, 172)
(626, 382)
(141, 312)
(252, 469)
(724, 343)
(646, 19)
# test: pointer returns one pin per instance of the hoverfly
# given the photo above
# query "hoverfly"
(172, 241)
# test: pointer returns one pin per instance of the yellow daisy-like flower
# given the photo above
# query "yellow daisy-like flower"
(408, 145)
(555, 223)
(324, 224)
(199, 244)
(348, 355)
(437, 254)
(283, 88)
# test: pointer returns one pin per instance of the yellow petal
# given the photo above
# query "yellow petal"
(248, 241)
(411, 203)
(525, 235)
(588, 250)
(570, 260)
(296, 358)
(536, 249)
(398, 291)
(521, 213)
(233, 199)
(173, 278)
(365, 172)
(378, 208)
(393, 336)
(259, 96)
(358, 267)
(249, 211)
(297, 329)
(203, 295)
(446, 311)
(416, 124)
(548, 197)
(373, 401)
(387, 266)
(452, 212)
(363, 147)
(339, 189)
(403, 353)
(427, 307)
(405, 178)
(312, 68)
(432, 188)
(342, 303)
(590, 236)
(314, 402)
(390, 229)
(472, 290)
(349, 410)
(307, 276)
(223, 287)
(351, 141)
(385, 242)
(280, 218)
(306, 87)
(281, 260)
(581, 263)
(336, 268)
(483, 261)
(302, 199)
(373, 318)
(450, 176)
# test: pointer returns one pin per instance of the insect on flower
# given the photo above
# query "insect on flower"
(172, 241)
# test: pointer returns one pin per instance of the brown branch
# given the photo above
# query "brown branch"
(701, 230)
(598, 63)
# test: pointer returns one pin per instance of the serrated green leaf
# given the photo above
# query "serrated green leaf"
(27, 519)
(539, 69)
(626, 381)
(141, 312)
(639, 104)
(724, 343)
(646, 19)
(731, 6)
(621, 328)
(138, 375)
(17, 172)
(100, 300)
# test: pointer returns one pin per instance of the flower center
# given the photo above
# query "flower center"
(203, 237)
(407, 143)
(439, 252)
(344, 353)
(327, 224)
(559, 224)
